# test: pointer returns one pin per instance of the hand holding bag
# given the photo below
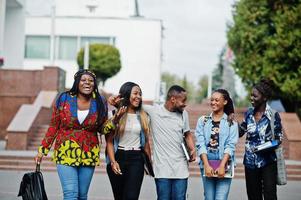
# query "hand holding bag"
(32, 186)
(229, 168)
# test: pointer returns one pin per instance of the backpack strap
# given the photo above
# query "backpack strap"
(272, 122)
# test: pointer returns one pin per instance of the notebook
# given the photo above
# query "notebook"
(266, 146)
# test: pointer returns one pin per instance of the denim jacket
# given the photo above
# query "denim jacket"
(228, 136)
(259, 133)
(116, 140)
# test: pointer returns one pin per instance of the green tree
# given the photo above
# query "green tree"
(217, 73)
(202, 89)
(266, 40)
(104, 61)
(189, 87)
(172, 79)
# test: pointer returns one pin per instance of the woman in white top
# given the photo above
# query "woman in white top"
(125, 144)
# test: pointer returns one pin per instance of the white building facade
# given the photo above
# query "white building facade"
(12, 27)
(55, 35)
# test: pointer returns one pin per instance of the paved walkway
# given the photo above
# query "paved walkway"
(100, 188)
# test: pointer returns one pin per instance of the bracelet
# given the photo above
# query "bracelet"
(113, 162)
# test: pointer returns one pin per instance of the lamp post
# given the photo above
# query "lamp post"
(2, 27)
(92, 5)
(52, 34)
(209, 91)
(86, 56)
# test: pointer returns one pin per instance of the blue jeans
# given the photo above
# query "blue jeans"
(75, 181)
(215, 188)
(171, 189)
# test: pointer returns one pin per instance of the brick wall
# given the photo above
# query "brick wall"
(19, 87)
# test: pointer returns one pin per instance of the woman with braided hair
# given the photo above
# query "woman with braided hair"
(260, 166)
(77, 118)
(126, 144)
(216, 137)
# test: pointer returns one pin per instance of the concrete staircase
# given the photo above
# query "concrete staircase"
(39, 133)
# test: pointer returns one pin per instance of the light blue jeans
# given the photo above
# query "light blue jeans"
(171, 189)
(75, 181)
(215, 188)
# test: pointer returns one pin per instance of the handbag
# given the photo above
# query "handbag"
(281, 168)
(148, 168)
(229, 168)
(32, 186)
(215, 164)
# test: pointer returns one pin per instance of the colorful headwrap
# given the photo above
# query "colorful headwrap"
(84, 71)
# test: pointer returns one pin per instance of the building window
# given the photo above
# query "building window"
(37, 47)
(67, 48)
(91, 40)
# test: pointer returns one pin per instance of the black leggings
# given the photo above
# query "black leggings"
(262, 181)
(127, 186)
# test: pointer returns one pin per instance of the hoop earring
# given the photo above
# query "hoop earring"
(93, 95)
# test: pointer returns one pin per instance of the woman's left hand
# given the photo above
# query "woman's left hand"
(220, 171)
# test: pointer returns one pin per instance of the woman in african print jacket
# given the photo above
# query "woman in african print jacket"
(78, 115)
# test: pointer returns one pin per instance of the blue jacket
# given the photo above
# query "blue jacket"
(116, 141)
(259, 133)
(228, 136)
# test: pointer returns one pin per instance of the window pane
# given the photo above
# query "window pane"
(102, 40)
(67, 48)
(37, 47)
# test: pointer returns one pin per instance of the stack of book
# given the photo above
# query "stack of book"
(266, 145)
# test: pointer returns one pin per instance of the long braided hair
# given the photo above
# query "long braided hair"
(229, 107)
(125, 93)
(102, 111)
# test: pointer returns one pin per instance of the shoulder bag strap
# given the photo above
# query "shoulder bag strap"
(272, 123)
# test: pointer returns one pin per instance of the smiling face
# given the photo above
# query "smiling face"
(217, 102)
(135, 97)
(257, 98)
(86, 85)
(179, 102)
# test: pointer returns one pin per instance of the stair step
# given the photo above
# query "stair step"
(32, 168)
(26, 163)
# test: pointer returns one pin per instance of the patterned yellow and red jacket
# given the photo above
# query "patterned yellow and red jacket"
(75, 144)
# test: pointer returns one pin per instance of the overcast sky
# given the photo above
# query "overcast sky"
(194, 34)
(194, 31)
